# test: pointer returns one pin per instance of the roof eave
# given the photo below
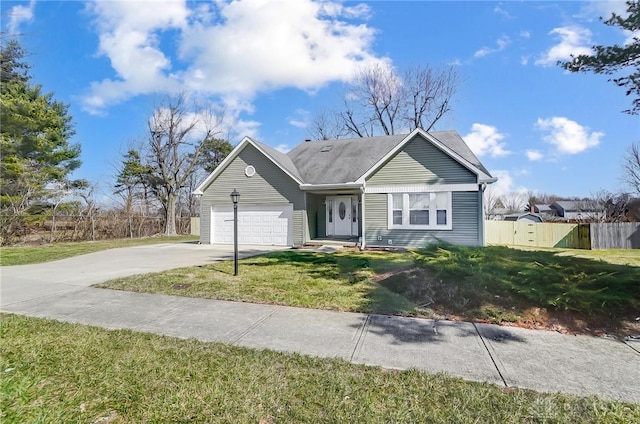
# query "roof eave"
(487, 180)
(234, 153)
(223, 165)
(275, 162)
(337, 186)
(482, 176)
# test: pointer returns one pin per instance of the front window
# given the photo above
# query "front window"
(420, 211)
(442, 204)
(397, 209)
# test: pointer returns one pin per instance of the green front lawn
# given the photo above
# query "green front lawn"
(533, 288)
(340, 281)
(54, 372)
(24, 255)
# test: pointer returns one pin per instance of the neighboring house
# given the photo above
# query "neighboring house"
(523, 217)
(399, 190)
(498, 214)
(545, 210)
(577, 210)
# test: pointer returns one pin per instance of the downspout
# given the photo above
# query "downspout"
(481, 238)
(364, 236)
(305, 222)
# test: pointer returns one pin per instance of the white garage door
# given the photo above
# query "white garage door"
(263, 225)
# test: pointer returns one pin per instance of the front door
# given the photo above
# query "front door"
(339, 210)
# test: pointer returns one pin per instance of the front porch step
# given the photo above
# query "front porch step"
(347, 242)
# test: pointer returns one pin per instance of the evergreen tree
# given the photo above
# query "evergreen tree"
(612, 59)
(35, 131)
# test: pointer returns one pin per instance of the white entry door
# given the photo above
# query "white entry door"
(339, 210)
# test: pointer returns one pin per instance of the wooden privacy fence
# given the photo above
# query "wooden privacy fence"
(535, 234)
(614, 235)
(195, 226)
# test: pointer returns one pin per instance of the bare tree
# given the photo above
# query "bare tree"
(631, 167)
(514, 201)
(491, 202)
(326, 125)
(428, 95)
(177, 135)
(381, 101)
(374, 102)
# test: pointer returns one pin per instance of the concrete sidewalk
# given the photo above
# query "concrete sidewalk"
(540, 360)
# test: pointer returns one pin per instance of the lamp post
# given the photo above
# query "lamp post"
(235, 196)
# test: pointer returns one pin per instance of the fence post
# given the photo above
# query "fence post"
(93, 229)
(53, 227)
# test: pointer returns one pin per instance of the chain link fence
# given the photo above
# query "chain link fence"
(99, 226)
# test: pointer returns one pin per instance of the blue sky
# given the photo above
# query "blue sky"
(533, 125)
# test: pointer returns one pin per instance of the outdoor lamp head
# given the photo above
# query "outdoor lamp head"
(235, 196)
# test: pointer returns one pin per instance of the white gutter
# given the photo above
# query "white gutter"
(309, 187)
(489, 181)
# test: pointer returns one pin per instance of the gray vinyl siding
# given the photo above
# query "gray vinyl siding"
(315, 216)
(269, 186)
(420, 162)
(464, 220)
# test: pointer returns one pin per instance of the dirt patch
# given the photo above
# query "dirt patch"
(466, 301)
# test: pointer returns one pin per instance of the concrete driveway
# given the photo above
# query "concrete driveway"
(25, 282)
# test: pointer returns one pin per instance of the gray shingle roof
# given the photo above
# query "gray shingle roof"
(340, 161)
(284, 160)
(346, 160)
(453, 141)
(579, 206)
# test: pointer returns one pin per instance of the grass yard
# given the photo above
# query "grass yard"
(340, 281)
(23, 255)
(530, 288)
(58, 372)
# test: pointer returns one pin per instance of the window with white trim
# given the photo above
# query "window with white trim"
(396, 211)
(420, 211)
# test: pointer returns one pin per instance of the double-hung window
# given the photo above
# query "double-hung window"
(421, 211)
(396, 211)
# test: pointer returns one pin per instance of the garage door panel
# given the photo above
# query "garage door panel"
(264, 225)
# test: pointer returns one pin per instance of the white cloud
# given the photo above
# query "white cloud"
(127, 33)
(300, 118)
(525, 34)
(534, 155)
(485, 139)
(228, 50)
(500, 11)
(567, 136)
(603, 8)
(501, 43)
(574, 40)
(632, 36)
(511, 195)
(282, 148)
(505, 181)
(19, 15)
